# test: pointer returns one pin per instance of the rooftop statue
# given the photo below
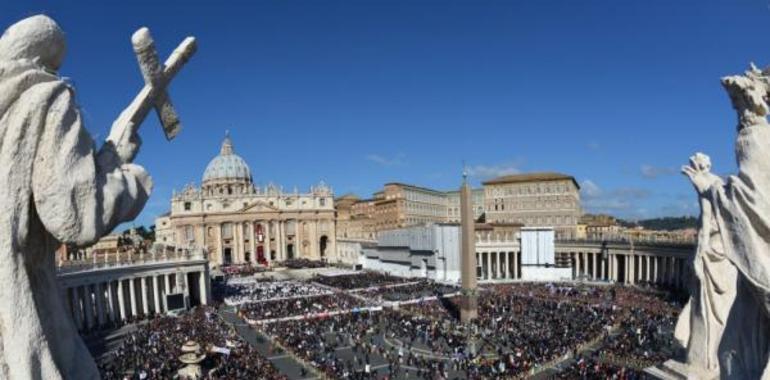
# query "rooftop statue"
(58, 188)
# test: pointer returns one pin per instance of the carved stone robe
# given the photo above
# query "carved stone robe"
(713, 285)
(54, 188)
(742, 210)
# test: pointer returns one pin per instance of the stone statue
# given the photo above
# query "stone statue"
(712, 287)
(57, 188)
(735, 225)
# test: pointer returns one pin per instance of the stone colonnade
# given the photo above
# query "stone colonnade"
(498, 264)
(629, 267)
(625, 267)
(111, 301)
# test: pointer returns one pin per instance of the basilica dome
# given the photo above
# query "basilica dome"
(227, 166)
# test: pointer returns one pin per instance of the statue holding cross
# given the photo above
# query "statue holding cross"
(58, 188)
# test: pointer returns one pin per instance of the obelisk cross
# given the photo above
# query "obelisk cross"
(157, 77)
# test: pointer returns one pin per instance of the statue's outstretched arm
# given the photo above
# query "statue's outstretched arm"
(78, 195)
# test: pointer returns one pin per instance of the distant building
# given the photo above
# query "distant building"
(453, 204)
(535, 200)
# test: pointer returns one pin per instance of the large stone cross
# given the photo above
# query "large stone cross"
(156, 79)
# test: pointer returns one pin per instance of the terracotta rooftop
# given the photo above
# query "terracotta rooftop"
(531, 177)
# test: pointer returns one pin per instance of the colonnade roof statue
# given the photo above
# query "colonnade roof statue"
(58, 188)
(725, 326)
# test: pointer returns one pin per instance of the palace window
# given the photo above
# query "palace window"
(187, 206)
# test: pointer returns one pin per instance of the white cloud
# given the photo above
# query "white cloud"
(623, 202)
(588, 189)
(652, 172)
(397, 160)
(490, 171)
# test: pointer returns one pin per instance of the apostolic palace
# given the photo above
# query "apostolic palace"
(239, 222)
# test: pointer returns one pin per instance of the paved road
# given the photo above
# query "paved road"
(282, 361)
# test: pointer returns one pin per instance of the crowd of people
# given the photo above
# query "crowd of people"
(303, 306)
(521, 328)
(418, 290)
(359, 280)
(592, 367)
(303, 263)
(260, 291)
(152, 351)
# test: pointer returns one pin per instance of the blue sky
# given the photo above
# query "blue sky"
(617, 93)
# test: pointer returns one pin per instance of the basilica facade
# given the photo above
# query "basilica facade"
(239, 222)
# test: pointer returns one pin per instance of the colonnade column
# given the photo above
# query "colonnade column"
(77, 317)
(613, 267)
(121, 300)
(507, 268)
(156, 293)
(601, 265)
(167, 279)
(132, 296)
(110, 303)
(99, 297)
(88, 306)
(143, 287)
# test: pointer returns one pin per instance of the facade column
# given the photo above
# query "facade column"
(204, 296)
(121, 301)
(252, 241)
(489, 267)
(186, 289)
(654, 272)
(156, 293)
(266, 242)
(88, 306)
(76, 316)
(99, 297)
(279, 241)
(132, 297)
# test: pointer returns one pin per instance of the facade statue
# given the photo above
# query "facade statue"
(736, 226)
(57, 188)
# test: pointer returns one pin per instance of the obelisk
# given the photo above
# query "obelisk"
(469, 297)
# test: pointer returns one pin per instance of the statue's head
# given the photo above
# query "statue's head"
(37, 38)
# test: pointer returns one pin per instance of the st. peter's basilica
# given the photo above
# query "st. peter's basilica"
(239, 222)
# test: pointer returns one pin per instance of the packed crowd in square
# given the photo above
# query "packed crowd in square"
(359, 280)
(259, 291)
(152, 351)
(613, 332)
